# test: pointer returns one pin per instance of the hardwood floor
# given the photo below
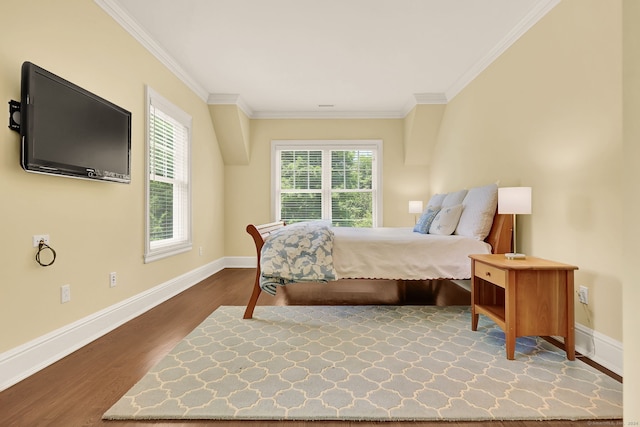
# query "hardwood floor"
(78, 389)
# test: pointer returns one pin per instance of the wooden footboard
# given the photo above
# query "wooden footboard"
(259, 233)
(500, 238)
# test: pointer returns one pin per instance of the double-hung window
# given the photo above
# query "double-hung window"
(168, 187)
(338, 181)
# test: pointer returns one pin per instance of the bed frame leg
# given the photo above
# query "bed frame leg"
(248, 313)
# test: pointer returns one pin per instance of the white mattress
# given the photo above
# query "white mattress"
(401, 253)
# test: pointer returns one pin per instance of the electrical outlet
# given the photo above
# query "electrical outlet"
(113, 279)
(583, 295)
(65, 293)
(38, 237)
(200, 251)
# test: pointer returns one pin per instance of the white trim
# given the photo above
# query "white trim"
(230, 99)
(114, 10)
(169, 247)
(29, 358)
(592, 344)
(328, 115)
(463, 283)
(241, 262)
(430, 98)
(598, 347)
(530, 19)
(321, 144)
(158, 254)
(223, 99)
(424, 99)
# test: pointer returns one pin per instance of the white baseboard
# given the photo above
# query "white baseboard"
(33, 356)
(240, 262)
(29, 358)
(600, 348)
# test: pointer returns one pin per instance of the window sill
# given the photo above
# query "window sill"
(165, 252)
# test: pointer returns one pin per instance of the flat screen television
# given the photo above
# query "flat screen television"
(69, 131)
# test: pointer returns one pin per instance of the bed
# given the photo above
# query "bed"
(394, 253)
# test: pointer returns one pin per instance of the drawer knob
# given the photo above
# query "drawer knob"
(488, 273)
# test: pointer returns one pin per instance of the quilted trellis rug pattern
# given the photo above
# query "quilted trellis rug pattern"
(364, 363)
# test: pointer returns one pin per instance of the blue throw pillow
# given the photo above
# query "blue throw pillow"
(427, 217)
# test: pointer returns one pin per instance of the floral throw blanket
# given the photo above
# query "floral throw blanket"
(300, 252)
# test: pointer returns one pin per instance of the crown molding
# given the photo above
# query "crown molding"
(530, 19)
(430, 98)
(133, 28)
(235, 99)
(230, 99)
(136, 31)
(328, 115)
(223, 98)
(424, 99)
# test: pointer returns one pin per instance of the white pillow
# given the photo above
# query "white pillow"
(454, 198)
(446, 220)
(480, 205)
(436, 200)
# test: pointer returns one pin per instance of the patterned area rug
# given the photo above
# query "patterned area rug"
(364, 363)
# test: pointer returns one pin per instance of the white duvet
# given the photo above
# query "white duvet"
(401, 253)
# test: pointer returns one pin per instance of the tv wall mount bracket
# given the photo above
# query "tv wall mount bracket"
(14, 115)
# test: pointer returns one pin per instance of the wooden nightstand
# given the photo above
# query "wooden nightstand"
(530, 296)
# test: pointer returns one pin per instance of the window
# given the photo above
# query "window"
(168, 230)
(339, 181)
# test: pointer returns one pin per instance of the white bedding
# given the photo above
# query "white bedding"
(401, 253)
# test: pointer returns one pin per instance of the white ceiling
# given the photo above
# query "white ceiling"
(365, 58)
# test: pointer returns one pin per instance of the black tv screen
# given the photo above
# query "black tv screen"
(69, 131)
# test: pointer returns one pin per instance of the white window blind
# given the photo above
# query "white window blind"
(352, 189)
(301, 185)
(337, 181)
(168, 179)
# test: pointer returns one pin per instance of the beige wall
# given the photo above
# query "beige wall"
(95, 227)
(631, 105)
(248, 191)
(548, 114)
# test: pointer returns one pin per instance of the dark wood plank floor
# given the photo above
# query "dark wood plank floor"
(78, 389)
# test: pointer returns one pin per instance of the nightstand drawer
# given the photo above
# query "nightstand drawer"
(491, 274)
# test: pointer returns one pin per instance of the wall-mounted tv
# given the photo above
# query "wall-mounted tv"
(69, 131)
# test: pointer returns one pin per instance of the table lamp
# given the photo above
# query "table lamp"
(514, 201)
(415, 207)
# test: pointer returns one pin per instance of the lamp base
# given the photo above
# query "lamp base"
(512, 255)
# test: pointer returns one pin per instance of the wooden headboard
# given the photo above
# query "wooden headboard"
(501, 235)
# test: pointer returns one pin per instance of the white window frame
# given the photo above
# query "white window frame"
(374, 145)
(155, 250)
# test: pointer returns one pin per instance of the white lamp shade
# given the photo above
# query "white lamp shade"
(415, 206)
(514, 200)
